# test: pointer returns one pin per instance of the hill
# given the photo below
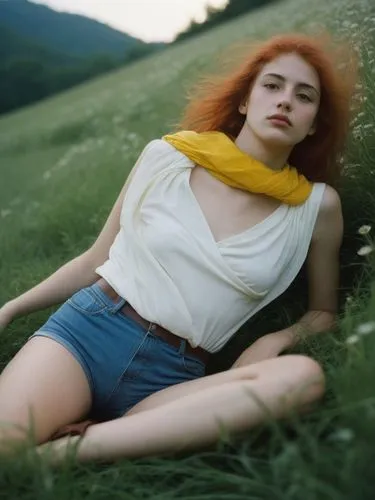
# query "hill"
(43, 51)
(16, 47)
(66, 33)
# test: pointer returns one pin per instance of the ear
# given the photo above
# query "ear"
(242, 108)
(312, 129)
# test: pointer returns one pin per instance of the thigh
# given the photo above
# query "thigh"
(298, 376)
(43, 382)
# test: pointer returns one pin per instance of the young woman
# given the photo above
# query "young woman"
(213, 224)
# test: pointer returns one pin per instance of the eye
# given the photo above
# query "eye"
(304, 97)
(271, 86)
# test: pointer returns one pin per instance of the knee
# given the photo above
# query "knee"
(298, 377)
(304, 366)
(307, 376)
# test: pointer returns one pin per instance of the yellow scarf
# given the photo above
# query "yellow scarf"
(225, 161)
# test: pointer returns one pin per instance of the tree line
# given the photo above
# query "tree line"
(216, 16)
(29, 77)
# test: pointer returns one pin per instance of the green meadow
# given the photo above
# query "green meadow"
(62, 165)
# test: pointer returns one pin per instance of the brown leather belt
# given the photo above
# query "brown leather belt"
(155, 329)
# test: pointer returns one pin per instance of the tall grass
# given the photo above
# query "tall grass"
(63, 163)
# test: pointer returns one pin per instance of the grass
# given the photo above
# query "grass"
(63, 163)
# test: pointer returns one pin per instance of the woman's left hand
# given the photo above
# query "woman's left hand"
(266, 347)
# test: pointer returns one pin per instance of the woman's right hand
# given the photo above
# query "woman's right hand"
(6, 316)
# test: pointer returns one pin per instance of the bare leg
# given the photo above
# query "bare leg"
(235, 400)
(46, 380)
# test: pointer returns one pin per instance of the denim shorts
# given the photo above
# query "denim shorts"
(124, 362)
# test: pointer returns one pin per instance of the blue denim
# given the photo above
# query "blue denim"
(124, 362)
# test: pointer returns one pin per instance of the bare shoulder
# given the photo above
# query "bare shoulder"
(331, 201)
(329, 220)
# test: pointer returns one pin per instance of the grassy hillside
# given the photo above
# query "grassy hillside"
(62, 165)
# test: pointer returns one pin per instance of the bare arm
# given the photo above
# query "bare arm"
(75, 274)
(323, 272)
(323, 276)
(72, 276)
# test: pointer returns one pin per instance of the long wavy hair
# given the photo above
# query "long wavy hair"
(214, 101)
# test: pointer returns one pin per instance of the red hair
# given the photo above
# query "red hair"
(214, 103)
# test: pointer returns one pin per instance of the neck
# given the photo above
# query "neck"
(274, 157)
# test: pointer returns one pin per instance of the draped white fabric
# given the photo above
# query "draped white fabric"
(167, 265)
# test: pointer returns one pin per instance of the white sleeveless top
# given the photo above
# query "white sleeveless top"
(167, 265)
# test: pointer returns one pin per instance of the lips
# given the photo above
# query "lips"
(282, 118)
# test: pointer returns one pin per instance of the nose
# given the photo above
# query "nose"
(284, 105)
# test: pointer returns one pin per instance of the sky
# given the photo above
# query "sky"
(149, 20)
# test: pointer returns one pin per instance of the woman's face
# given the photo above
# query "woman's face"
(284, 101)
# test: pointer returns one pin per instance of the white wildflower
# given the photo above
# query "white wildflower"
(352, 339)
(349, 299)
(5, 212)
(343, 435)
(15, 202)
(133, 137)
(366, 250)
(366, 328)
(364, 229)
(62, 162)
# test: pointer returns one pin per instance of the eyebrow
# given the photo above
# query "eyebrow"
(300, 84)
